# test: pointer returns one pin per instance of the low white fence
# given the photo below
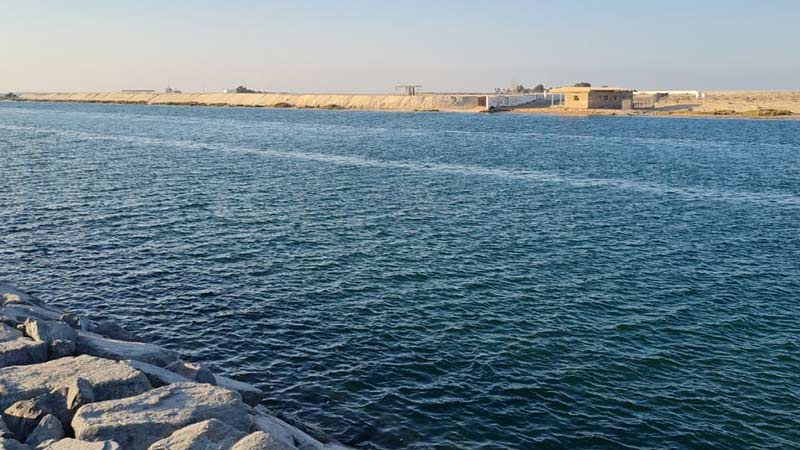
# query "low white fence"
(506, 101)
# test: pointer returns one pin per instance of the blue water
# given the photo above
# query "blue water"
(434, 281)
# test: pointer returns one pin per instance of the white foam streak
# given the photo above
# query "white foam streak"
(452, 169)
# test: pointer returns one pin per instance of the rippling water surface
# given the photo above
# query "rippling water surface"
(434, 281)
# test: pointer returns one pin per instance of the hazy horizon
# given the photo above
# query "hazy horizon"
(364, 47)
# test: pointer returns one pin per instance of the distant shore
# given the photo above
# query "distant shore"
(721, 104)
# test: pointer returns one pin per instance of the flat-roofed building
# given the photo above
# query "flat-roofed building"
(596, 97)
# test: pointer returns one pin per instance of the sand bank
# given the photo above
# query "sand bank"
(737, 104)
(424, 102)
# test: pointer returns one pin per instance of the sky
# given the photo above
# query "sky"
(355, 46)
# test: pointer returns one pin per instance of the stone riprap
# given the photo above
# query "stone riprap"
(63, 375)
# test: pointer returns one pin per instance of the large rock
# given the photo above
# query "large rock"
(49, 429)
(75, 444)
(158, 376)
(22, 351)
(24, 415)
(79, 393)
(111, 330)
(8, 333)
(278, 430)
(11, 294)
(193, 371)
(17, 313)
(17, 306)
(73, 320)
(210, 434)
(4, 431)
(12, 444)
(137, 422)
(250, 394)
(286, 434)
(261, 441)
(60, 337)
(49, 330)
(97, 345)
(109, 379)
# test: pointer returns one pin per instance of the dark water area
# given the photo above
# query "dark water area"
(434, 281)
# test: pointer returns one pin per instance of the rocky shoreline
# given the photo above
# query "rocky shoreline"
(69, 383)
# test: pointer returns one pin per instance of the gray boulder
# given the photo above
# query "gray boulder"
(79, 393)
(15, 349)
(22, 351)
(23, 416)
(75, 444)
(278, 430)
(97, 345)
(261, 441)
(17, 313)
(111, 330)
(49, 330)
(193, 371)
(109, 379)
(60, 349)
(73, 320)
(16, 306)
(49, 428)
(4, 431)
(210, 434)
(11, 294)
(137, 422)
(286, 434)
(158, 376)
(12, 444)
(250, 394)
(9, 298)
(8, 333)
(61, 338)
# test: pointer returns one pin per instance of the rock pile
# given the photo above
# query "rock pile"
(68, 383)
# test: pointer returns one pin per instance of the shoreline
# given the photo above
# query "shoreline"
(67, 382)
(677, 107)
(646, 113)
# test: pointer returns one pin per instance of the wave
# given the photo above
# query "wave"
(526, 175)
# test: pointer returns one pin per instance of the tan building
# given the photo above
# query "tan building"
(596, 97)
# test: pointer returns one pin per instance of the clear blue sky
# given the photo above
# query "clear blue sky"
(369, 46)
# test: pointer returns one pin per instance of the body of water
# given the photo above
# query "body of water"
(434, 281)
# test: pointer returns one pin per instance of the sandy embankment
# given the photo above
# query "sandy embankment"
(423, 102)
(743, 104)
(734, 103)
(746, 104)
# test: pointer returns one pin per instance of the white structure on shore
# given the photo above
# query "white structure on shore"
(695, 94)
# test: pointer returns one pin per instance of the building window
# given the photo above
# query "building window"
(575, 98)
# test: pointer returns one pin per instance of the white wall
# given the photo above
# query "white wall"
(501, 101)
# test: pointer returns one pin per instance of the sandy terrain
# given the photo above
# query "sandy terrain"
(426, 102)
(732, 103)
(746, 104)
